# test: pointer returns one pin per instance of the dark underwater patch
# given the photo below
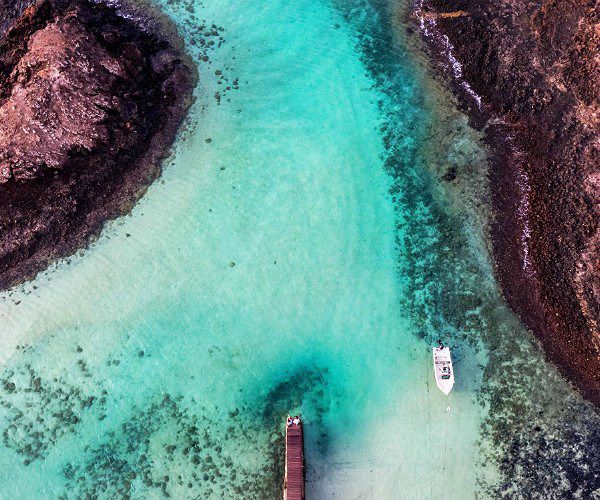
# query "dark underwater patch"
(36, 411)
(168, 450)
(306, 390)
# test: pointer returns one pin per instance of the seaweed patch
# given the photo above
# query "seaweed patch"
(36, 411)
(167, 449)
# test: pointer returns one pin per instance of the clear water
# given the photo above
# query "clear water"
(295, 256)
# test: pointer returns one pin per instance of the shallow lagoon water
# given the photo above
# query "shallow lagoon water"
(293, 256)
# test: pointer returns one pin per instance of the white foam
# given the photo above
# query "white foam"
(428, 28)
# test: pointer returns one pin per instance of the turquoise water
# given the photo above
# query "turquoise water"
(296, 255)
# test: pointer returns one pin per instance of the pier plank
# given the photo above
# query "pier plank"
(294, 463)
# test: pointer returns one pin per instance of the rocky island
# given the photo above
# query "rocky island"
(528, 72)
(90, 102)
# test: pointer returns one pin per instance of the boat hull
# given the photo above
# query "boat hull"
(443, 369)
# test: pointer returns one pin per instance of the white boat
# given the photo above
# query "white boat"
(442, 367)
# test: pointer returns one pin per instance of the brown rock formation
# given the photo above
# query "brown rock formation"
(89, 104)
(535, 64)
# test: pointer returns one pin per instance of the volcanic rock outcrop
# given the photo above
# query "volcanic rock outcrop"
(536, 66)
(90, 102)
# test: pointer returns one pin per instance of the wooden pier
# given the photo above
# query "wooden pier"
(293, 485)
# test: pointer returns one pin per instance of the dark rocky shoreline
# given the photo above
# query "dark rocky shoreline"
(525, 72)
(90, 102)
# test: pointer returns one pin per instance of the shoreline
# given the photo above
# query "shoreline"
(52, 215)
(526, 263)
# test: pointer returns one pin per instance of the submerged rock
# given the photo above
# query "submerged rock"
(90, 102)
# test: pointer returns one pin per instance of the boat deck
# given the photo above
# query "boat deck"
(294, 463)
